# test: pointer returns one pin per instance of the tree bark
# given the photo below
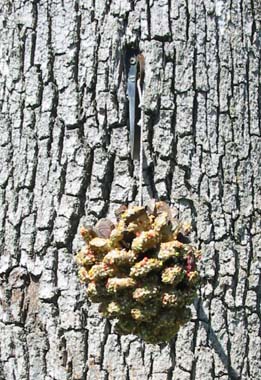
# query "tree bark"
(65, 161)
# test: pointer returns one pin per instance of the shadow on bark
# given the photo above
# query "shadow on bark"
(233, 375)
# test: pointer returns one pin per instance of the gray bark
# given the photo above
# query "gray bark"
(65, 161)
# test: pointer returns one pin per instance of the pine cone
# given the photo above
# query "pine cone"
(142, 271)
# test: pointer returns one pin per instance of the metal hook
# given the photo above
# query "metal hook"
(135, 74)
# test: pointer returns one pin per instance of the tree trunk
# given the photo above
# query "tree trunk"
(65, 161)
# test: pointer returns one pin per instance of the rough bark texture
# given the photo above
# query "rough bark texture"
(65, 161)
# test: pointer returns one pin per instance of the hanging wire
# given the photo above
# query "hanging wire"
(140, 123)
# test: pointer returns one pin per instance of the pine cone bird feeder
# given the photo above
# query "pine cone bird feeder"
(142, 271)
